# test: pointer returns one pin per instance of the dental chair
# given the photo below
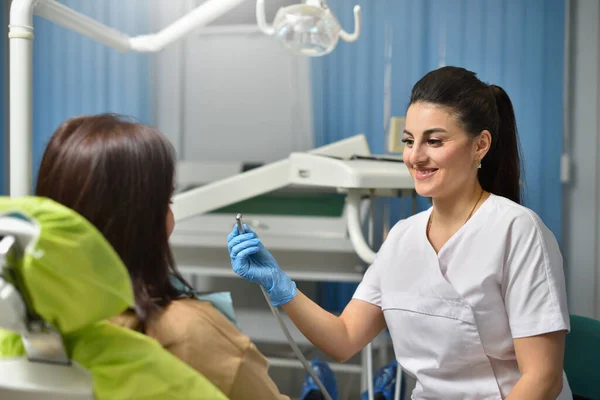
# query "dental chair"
(60, 282)
(582, 358)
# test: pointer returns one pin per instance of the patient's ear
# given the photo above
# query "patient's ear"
(170, 222)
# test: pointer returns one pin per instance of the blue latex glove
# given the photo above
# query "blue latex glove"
(253, 262)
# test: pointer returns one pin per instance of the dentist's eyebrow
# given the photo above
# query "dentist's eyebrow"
(430, 131)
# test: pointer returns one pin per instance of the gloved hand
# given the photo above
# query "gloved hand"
(251, 261)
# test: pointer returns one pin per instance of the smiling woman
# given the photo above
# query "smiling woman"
(461, 123)
(472, 290)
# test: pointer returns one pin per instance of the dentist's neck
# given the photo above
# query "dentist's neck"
(454, 209)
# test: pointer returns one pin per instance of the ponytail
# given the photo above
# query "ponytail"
(501, 167)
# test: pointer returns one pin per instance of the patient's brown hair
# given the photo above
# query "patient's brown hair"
(119, 175)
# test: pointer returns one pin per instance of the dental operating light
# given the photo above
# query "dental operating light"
(308, 28)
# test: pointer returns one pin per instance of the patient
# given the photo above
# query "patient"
(119, 175)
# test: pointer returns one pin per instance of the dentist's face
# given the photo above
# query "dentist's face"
(441, 156)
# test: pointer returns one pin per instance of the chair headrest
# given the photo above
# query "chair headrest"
(69, 274)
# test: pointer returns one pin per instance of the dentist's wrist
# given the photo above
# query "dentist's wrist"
(282, 293)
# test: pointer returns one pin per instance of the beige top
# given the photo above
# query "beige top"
(205, 339)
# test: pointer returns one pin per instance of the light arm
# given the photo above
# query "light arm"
(540, 360)
(353, 37)
(80, 23)
(261, 18)
(21, 63)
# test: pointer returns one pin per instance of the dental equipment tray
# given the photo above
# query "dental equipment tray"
(305, 231)
(297, 206)
(357, 172)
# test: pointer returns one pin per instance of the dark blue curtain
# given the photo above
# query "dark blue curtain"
(74, 75)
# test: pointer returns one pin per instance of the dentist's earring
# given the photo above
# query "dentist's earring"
(479, 166)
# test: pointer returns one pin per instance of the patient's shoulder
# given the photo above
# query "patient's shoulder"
(190, 319)
(191, 323)
(202, 337)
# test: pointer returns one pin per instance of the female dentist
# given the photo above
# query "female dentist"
(472, 289)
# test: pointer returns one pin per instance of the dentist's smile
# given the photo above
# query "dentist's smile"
(424, 173)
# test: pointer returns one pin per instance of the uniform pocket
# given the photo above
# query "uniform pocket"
(431, 306)
(430, 333)
(437, 341)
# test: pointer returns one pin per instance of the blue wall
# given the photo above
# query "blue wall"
(516, 44)
(74, 75)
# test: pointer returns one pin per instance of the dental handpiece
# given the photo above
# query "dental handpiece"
(240, 224)
(286, 332)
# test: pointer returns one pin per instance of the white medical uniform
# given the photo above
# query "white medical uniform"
(453, 315)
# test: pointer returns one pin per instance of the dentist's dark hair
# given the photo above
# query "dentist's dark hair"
(118, 174)
(479, 106)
